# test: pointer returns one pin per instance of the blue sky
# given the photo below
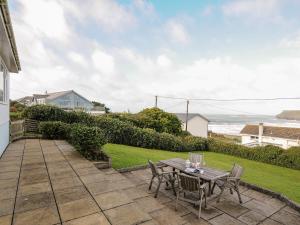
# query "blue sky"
(125, 52)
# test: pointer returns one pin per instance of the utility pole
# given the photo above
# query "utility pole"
(187, 114)
(155, 101)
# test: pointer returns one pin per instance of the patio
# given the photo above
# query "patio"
(48, 182)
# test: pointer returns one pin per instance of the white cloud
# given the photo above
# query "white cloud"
(164, 61)
(45, 18)
(291, 42)
(177, 32)
(144, 6)
(103, 61)
(208, 10)
(77, 58)
(253, 9)
(107, 14)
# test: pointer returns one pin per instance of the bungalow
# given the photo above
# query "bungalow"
(9, 62)
(260, 135)
(196, 124)
(68, 100)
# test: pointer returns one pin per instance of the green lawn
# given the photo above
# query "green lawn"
(278, 179)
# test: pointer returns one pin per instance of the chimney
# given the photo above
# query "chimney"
(260, 133)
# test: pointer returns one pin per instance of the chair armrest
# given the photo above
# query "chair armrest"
(204, 186)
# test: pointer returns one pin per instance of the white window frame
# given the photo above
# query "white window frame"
(5, 84)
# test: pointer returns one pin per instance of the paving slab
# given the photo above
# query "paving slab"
(225, 219)
(252, 218)
(260, 207)
(127, 215)
(286, 217)
(231, 208)
(112, 199)
(7, 206)
(94, 219)
(78, 208)
(34, 188)
(41, 216)
(192, 219)
(166, 216)
(71, 194)
(5, 220)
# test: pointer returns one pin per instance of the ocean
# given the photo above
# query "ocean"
(233, 124)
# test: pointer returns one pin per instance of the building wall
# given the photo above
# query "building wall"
(71, 101)
(4, 118)
(282, 142)
(197, 126)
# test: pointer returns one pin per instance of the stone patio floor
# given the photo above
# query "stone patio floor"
(47, 182)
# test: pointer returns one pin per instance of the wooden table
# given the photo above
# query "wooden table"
(209, 175)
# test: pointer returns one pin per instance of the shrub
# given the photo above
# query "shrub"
(290, 158)
(54, 129)
(171, 142)
(159, 120)
(87, 140)
(45, 113)
(15, 116)
(195, 143)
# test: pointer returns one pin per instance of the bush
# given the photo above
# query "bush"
(87, 140)
(195, 143)
(54, 130)
(159, 120)
(15, 116)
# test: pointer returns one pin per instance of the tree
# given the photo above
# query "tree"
(107, 110)
(159, 120)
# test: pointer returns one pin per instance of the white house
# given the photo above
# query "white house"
(197, 124)
(260, 135)
(9, 62)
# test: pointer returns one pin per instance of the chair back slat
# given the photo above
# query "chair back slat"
(153, 168)
(188, 183)
(236, 171)
(194, 158)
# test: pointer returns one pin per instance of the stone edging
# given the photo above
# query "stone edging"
(276, 195)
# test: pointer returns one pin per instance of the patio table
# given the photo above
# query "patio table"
(209, 174)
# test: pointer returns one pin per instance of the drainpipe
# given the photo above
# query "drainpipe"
(260, 133)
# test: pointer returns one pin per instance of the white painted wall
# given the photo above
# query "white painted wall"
(197, 126)
(282, 142)
(4, 120)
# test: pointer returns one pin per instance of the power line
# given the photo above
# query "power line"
(230, 100)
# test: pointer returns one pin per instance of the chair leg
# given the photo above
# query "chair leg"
(205, 199)
(200, 204)
(219, 197)
(213, 188)
(231, 192)
(173, 187)
(158, 186)
(177, 198)
(151, 182)
(239, 195)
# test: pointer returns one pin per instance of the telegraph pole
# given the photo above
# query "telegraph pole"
(187, 114)
(155, 101)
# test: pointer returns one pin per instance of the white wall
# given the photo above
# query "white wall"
(282, 142)
(4, 121)
(197, 126)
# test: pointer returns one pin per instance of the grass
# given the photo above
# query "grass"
(278, 179)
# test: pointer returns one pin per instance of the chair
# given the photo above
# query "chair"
(193, 191)
(231, 182)
(161, 176)
(194, 158)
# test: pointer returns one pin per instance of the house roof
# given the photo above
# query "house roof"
(54, 95)
(10, 33)
(182, 116)
(24, 99)
(272, 131)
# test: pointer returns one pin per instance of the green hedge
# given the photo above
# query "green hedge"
(124, 132)
(87, 140)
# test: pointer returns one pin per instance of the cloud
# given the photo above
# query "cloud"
(253, 9)
(106, 14)
(177, 32)
(103, 61)
(291, 42)
(144, 6)
(46, 18)
(164, 61)
(208, 10)
(77, 59)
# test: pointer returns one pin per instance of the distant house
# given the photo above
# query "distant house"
(9, 63)
(68, 100)
(97, 110)
(260, 135)
(197, 124)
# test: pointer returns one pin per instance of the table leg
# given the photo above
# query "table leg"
(209, 188)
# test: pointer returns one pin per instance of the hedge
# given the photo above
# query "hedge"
(123, 132)
(87, 140)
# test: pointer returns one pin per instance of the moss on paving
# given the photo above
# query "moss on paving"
(276, 178)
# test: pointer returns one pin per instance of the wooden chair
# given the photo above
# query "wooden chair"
(231, 182)
(194, 158)
(192, 190)
(162, 176)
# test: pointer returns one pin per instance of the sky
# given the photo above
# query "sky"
(124, 52)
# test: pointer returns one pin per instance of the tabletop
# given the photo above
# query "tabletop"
(209, 174)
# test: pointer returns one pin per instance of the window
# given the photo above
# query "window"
(253, 137)
(3, 84)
